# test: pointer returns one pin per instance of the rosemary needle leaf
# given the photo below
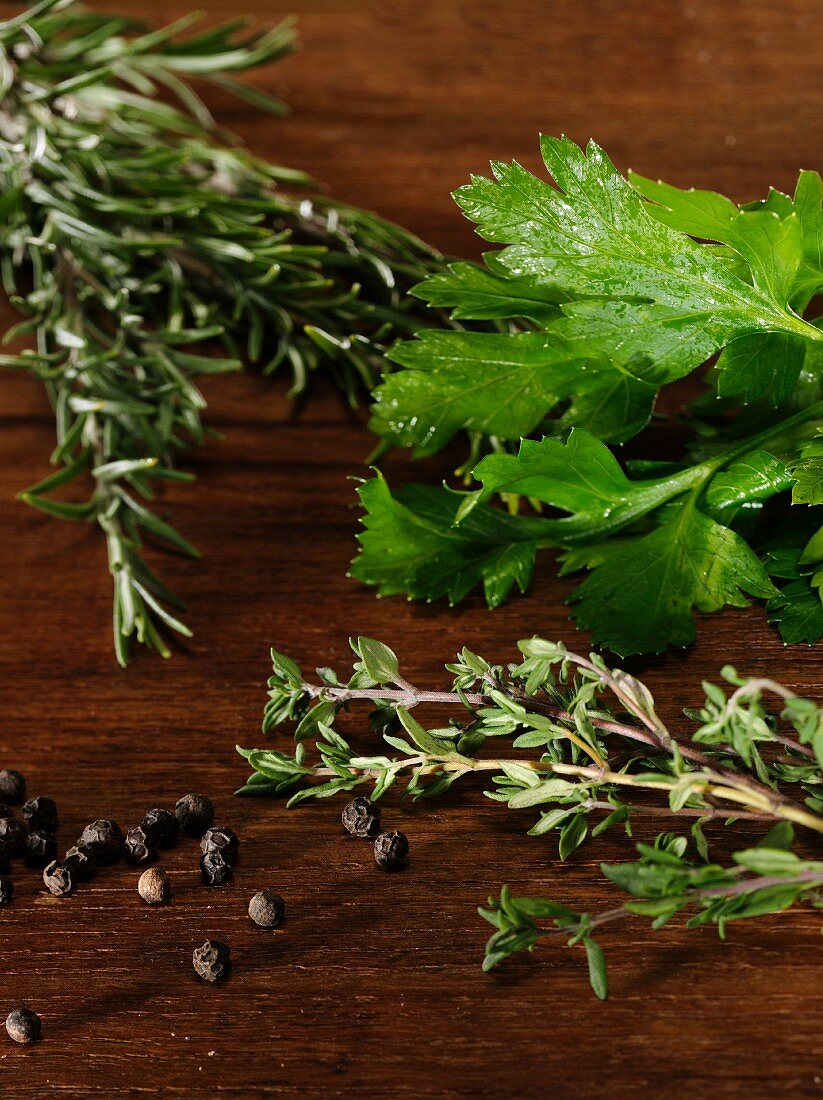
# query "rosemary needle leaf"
(129, 232)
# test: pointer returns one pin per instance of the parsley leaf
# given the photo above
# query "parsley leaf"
(756, 477)
(761, 364)
(582, 477)
(626, 299)
(639, 597)
(795, 556)
(615, 288)
(796, 251)
(410, 544)
(641, 591)
(808, 473)
(474, 293)
(594, 236)
(502, 385)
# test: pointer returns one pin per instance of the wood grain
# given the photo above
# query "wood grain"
(373, 985)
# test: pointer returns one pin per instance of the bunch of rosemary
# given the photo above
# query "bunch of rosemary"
(586, 748)
(129, 234)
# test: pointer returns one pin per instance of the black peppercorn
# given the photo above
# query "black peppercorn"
(361, 817)
(162, 826)
(212, 961)
(81, 862)
(58, 879)
(154, 886)
(41, 814)
(140, 846)
(216, 869)
(6, 890)
(13, 835)
(12, 786)
(390, 850)
(41, 848)
(195, 813)
(220, 840)
(267, 909)
(104, 838)
(24, 1026)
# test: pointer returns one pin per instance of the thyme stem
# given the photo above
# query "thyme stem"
(730, 785)
(764, 808)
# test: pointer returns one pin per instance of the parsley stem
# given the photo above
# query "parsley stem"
(775, 431)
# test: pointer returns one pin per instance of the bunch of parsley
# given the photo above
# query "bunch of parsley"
(614, 289)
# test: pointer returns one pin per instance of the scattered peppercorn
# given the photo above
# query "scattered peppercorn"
(154, 886)
(13, 835)
(41, 848)
(220, 840)
(212, 961)
(194, 813)
(361, 817)
(162, 826)
(104, 838)
(82, 863)
(24, 1026)
(41, 814)
(267, 909)
(58, 879)
(6, 890)
(216, 869)
(12, 786)
(139, 847)
(390, 850)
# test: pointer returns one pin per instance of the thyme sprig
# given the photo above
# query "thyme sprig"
(130, 234)
(580, 756)
(765, 879)
(587, 747)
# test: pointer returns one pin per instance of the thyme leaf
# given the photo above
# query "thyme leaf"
(579, 744)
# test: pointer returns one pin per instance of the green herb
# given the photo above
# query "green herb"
(128, 235)
(764, 879)
(585, 766)
(581, 758)
(619, 295)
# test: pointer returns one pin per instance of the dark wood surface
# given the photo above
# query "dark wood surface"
(373, 987)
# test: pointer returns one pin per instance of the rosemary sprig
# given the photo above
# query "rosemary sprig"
(128, 234)
(765, 879)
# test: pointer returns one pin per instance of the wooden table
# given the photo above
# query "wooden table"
(373, 987)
